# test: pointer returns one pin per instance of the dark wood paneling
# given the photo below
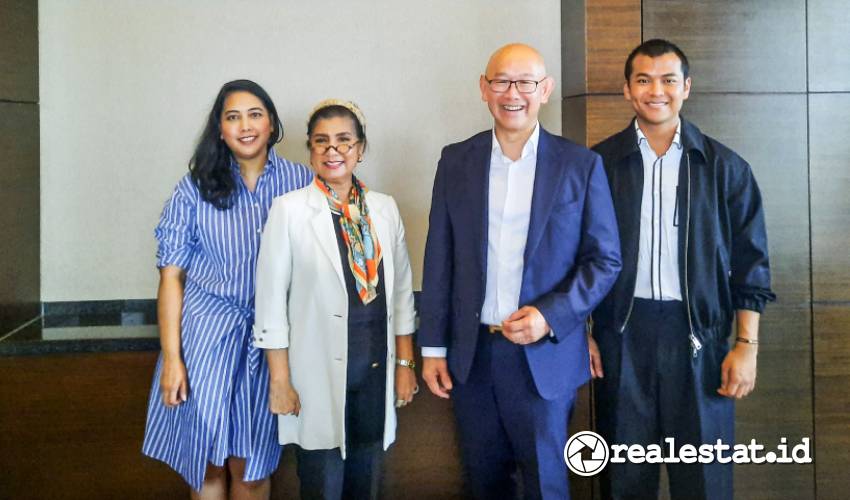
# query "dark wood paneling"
(590, 119)
(782, 403)
(613, 30)
(832, 400)
(829, 38)
(735, 45)
(73, 428)
(19, 214)
(830, 130)
(73, 425)
(582, 488)
(596, 37)
(606, 115)
(19, 50)
(830, 179)
(425, 460)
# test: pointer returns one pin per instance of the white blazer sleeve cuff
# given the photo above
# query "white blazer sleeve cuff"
(271, 338)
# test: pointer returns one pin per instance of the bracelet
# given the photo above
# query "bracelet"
(744, 340)
(406, 362)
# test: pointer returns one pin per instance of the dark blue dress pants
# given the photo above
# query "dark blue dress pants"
(504, 424)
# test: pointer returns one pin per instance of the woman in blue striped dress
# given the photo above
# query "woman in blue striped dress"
(208, 415)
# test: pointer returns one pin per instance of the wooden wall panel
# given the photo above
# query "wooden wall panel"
(832, 400)
(19, 215)
(590, 119)
(73, 426)
(613, 30)
(830, 130)
(735, 45)
(19, 50)
(781, 406)
(829, 38)
(606, 115)
(830, 179)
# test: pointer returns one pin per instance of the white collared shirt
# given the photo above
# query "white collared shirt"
(510, 189)
(509, 201)
(658, 251)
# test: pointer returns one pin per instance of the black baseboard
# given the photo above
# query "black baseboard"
(106, 313)
(99, 313)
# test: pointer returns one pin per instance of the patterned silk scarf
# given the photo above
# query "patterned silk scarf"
(364, 250)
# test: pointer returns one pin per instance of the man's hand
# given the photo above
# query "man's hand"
(595, 358)
(738, 371)
(525, 326)
(435, 372)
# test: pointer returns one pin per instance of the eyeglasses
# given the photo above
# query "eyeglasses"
(522, 86)
(321, 148)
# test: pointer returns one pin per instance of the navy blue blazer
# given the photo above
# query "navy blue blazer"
(572, 256)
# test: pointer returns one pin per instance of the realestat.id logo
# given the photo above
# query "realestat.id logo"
(586, 453)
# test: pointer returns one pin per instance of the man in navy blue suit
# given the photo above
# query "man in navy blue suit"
(522, 245)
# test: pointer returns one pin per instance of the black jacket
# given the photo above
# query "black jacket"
(722, 238)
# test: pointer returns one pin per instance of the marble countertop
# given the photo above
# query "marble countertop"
(34, 339)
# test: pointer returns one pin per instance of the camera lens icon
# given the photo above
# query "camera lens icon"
(586, 453)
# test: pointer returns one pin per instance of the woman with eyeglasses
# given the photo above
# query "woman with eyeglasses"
(208, 414)
(334, 313)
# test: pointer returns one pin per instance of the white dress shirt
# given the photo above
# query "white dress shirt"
(510, 189)
(658, 251)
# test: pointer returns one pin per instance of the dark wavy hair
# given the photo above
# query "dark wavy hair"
(210, 164)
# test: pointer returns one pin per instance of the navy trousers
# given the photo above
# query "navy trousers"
(504, 425)
(655, 388)
(324, 475)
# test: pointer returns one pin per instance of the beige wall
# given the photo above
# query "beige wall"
(125, 87)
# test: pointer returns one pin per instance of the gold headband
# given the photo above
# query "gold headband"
(345, 104)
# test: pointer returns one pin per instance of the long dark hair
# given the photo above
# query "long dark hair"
(210, 164)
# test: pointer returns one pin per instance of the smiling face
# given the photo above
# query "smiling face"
(656, 89)
(334, 167)
(246, 126)
(515, 112)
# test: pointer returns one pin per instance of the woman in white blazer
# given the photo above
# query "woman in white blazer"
(334, 312)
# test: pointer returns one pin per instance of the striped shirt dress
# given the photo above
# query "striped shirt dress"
(226, 413)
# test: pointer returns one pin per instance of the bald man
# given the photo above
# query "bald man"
(522, 245)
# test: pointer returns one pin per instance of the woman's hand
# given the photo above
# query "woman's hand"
(283, 399)
(173, 383)
(405, 385)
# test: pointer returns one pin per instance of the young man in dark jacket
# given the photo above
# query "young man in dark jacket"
(694, 252)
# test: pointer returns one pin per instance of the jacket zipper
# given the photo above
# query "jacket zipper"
(628, 313)
(695, 343)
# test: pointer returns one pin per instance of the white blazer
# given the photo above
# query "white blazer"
(302, 305)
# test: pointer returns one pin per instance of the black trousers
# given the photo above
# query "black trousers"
(655, 388)
(324, 475)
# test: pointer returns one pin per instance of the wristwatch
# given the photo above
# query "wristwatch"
(406, 362)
